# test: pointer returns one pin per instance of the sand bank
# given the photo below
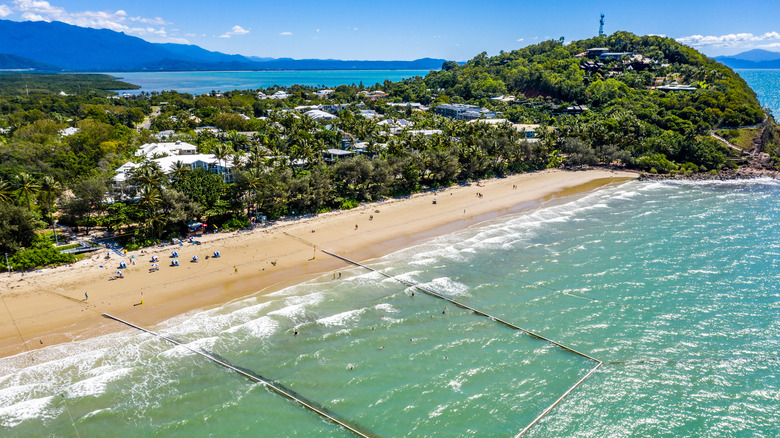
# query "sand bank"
(48, 307)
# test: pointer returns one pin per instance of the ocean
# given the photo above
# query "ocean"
(766, 84)
(674, 286)
(201, 82)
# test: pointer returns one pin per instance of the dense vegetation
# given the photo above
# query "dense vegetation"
(276, 154)
(27, 83)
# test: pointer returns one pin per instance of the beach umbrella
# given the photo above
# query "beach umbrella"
(118, 272)
(154, 265)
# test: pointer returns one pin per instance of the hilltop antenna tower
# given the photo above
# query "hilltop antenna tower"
(601, 26)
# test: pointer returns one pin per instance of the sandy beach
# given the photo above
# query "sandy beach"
(49, 307)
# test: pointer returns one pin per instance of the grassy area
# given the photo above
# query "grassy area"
(22, 83)
(64, 247)
(742, 138)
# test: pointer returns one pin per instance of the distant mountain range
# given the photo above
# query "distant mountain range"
(56, 46)
(752, 59)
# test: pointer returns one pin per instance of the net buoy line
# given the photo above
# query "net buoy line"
(501, 321)
(274, 386)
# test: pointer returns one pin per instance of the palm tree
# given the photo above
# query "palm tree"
(149, 175)
(222, 151)
(6, 191)
(257, 155)
(50, 187)
(179, 171)
(26, 186)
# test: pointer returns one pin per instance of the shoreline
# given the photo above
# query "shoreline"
(49, 307)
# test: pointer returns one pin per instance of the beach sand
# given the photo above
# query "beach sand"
(49, 307)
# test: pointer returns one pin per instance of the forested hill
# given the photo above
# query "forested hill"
(626, 107)
(553, 70)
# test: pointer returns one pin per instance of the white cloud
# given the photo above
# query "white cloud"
(177, 40)
(41, 10)
(5, 11)
(520, 40)
(156, 20)
(286, 34)
(29, 16)
(236, 30)
(728, 40)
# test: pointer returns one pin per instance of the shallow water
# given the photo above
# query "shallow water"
(674, 285)
(199, 82)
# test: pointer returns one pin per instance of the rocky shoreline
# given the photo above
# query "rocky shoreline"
(724, 175)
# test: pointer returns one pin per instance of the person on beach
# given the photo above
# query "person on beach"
(86, 296)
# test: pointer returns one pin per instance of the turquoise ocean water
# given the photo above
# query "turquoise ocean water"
(673, 285)
(205, 82)
(766, 84)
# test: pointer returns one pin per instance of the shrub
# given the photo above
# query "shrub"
(658, 163)
(236, 223)
(42, 254)
(348, 204)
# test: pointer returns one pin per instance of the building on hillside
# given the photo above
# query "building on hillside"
(368, 113)
(425, 132)
(69, 131)
(593, 52)
(607, 56)
(460, 111)
(507, 98)
(279, 95)
(591, 66)
(178, 148)
(674, 86)
(414, 105)
(323, 93)
(165, 135)
(317, 114)
(212, 129)
(528, 131)
(373, 95)
(333, 155)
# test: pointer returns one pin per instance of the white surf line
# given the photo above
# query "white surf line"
(501, 321)
(254, 377)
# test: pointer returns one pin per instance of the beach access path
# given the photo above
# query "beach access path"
(48, 307)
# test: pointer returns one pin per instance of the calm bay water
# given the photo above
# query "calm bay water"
(204, 82)
(766, 84)
(674, 285)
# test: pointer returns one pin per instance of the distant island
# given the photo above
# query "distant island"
(48, 47)
(752, 59)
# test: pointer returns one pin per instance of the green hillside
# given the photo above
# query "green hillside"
(626, 110)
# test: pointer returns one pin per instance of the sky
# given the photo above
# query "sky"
(410, 29)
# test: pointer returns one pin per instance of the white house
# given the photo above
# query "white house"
(320, 115)
(149, 150)
(69, 131)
